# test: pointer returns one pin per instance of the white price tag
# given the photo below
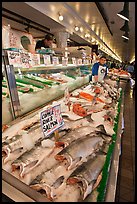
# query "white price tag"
(14, 58)
(47, 60)
(55, 60)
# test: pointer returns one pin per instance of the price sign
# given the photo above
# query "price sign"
(25, 59)
(35, 59)
(74, 61)
(64, 61)
(47, 60)
(14, 58)
(51, 120)
(55, 60)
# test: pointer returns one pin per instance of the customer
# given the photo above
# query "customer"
(99, 70)
(130, 69)
(46, 42)
(113, 65)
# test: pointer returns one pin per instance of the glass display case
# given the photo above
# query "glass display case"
(38, 85)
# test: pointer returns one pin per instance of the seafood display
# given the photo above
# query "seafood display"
(67, 167)
(119, 73)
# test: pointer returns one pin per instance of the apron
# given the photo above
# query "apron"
(101, 73)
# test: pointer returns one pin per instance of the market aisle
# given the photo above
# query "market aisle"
(126, 177)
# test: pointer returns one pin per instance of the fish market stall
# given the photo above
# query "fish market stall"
(79, 163)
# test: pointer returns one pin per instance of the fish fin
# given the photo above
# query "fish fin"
(24, 169)
(102, 129)
(74, 163)
(44, 187)
(88, 190)
(97, 181)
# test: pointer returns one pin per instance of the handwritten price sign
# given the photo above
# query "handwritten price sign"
(51, 120)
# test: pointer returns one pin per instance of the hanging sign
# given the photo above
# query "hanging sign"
(51, 120)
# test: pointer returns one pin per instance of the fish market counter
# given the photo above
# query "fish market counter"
(21, 186)
(112, 181)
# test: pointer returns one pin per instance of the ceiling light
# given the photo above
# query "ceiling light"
(125, 27)
(61, 17)
(125, 35)
(81, 29)
(76, 28)
(125, 12)
(87, 35)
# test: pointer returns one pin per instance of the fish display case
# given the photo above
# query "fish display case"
(81, 164)
(38, 85)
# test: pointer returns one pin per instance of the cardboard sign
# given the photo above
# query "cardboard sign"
(51, 120)
(47, 60)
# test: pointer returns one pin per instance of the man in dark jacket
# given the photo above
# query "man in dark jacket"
(46, 42)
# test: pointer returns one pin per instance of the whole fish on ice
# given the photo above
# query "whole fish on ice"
(86, 174)
(78, 150)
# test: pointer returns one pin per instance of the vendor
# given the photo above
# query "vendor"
(99, 70)
(46, 42)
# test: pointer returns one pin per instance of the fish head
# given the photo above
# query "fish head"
(85, 187)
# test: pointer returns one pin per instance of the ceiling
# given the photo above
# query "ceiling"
(87, 16)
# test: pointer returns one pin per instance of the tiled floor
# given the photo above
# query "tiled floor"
(126, 176)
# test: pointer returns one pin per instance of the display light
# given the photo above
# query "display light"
(76, 28)
(61, 17)
(125, 27)
(81, 29)
(125, 12)
(125, 36)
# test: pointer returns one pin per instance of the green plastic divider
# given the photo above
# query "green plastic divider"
(26, 82)
(105, 171)
(50, 83)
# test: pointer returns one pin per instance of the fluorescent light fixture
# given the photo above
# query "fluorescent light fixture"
(125, 27)
(125, 36)
(61, 17)
(125, 12)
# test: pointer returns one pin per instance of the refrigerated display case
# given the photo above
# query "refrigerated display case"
(20, 191)
(38, 85)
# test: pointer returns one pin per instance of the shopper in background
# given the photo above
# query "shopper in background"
(46, 42)
(113, 65)
(99, 70)
(130, 69)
